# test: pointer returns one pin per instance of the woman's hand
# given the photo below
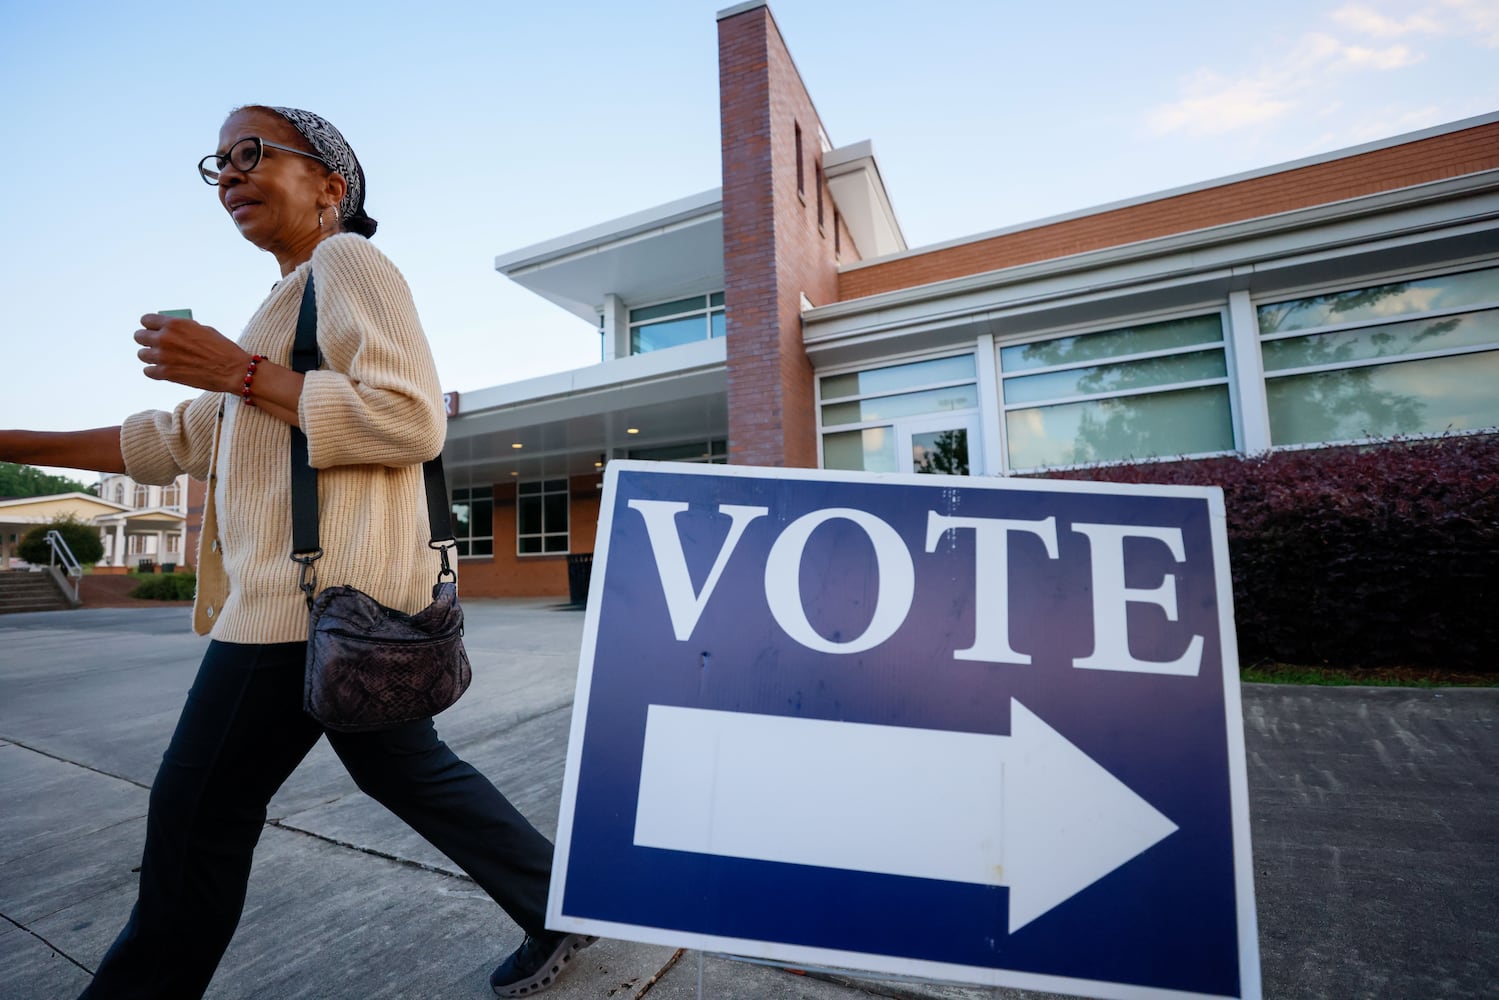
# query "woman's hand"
(190, 354)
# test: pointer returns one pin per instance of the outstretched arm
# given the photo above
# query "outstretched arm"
(97, 449)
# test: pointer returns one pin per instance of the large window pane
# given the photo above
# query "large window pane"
(1087, 347)
(958, 397)
(1411, 337)
(1098, 379)
(483, 519)
(694, 304)
(898, 377)
(541, 517)
(1153, 425)
(1408, 397)
(1400, 298)
(656, 336)
(869, 450)
(681, 321)
(473, 520)
(554, 513)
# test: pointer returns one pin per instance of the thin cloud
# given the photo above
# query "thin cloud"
(1212, 104)
(1368, 21)
(1477, 19)
(1393, 57)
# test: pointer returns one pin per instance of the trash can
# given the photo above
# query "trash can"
(579, 570)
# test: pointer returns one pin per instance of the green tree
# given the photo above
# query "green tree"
(24, 481)
(82, 538)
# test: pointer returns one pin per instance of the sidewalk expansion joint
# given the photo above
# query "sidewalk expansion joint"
(372, 852)
(52, 947)
(64, 760)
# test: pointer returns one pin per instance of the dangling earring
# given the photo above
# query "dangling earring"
(320, 218)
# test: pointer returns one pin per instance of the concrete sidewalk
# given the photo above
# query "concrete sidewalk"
(1375, 819)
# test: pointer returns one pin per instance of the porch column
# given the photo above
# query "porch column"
(119, 552)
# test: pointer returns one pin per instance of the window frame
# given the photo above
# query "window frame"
(966, 418)
(1360, 283)
(1219, 308)
(540, 496)
(708, 310)
(466, 542)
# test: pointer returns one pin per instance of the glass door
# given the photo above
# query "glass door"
(941, 445)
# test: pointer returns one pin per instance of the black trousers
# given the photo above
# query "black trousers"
(241, 734)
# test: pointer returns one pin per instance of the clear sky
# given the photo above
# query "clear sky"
(491, 125)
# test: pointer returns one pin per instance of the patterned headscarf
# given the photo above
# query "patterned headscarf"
(335, 151)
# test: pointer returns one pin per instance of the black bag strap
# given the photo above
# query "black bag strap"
(305, 542)
(304, 505)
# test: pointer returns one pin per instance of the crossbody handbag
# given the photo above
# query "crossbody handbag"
(370, 666)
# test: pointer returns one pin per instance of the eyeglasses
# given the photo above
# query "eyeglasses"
(243, 156)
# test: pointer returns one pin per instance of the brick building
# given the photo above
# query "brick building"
(782, 321)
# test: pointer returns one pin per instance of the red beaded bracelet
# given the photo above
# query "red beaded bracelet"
(244, 393)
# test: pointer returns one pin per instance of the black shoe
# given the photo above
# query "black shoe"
(536, 964)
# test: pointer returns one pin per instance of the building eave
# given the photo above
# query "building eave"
(563, 422)
(576, 271)
(853, 176)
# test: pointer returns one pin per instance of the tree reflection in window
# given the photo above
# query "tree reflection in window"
(940, 452)
(1345, 400)
(1088, 420)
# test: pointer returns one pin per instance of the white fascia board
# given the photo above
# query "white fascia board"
(615, 231)
(654, 367)
(1205, 254)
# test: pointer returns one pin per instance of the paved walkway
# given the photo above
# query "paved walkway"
(1375, 818)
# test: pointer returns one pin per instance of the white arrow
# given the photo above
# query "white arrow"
(1029, 810)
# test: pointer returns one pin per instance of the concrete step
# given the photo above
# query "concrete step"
(26, 591)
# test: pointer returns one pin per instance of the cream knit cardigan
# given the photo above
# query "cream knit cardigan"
(372, 414)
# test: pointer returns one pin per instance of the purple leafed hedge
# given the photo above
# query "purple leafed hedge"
(1384, 555)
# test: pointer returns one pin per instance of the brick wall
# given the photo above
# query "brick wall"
(1435, 158)
(774, 250)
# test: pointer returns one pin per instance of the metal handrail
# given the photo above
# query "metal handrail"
(60, 550)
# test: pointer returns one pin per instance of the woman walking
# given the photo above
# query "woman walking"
(371, 414)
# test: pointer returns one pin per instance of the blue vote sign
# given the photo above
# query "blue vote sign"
(977, 730)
